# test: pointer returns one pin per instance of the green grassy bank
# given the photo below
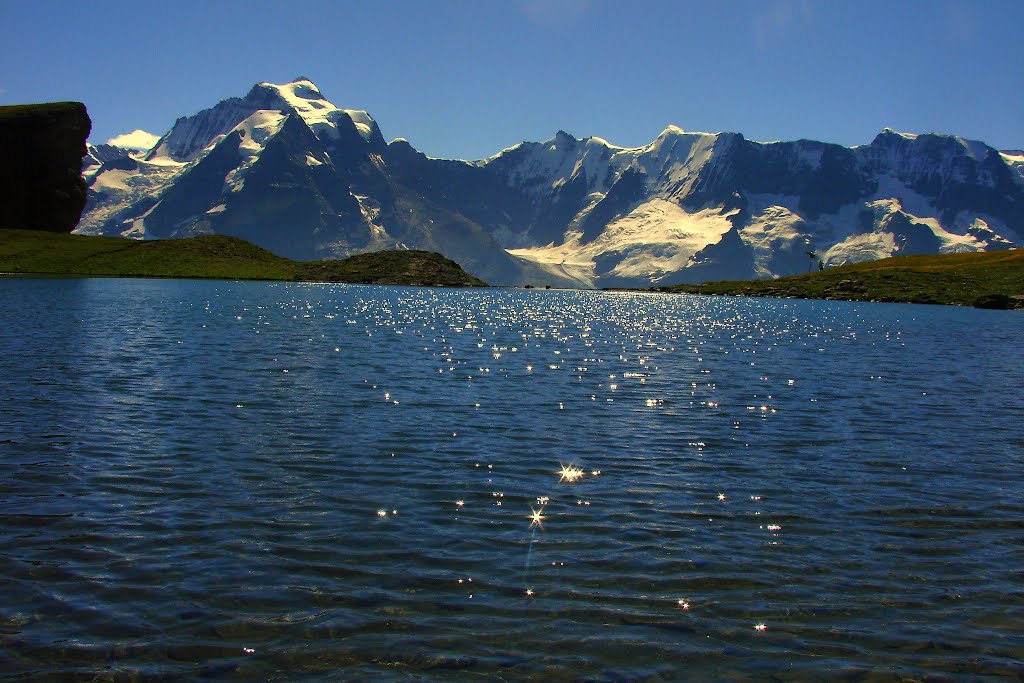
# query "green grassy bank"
(216, 257)
(993, 279)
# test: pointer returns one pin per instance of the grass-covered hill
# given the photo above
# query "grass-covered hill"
(214, 256)
(992, 279)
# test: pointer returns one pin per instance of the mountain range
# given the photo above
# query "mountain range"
(288, 170)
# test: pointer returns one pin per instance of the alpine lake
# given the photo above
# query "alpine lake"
(222, 480)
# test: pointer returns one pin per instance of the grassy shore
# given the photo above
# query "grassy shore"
(215, 257)
(993, 279)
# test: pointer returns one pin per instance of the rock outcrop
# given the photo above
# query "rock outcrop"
(41, 185)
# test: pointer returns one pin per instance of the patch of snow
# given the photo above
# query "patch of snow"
(810, 155)
(114, 195)
(672, 129)
(976, 150)
(111, 179)
(835, 227)
(881, 241)
(500, 154)
(364, 124)
(661, 237)
(950, 243)
(564, 274)
(569, 252)
(257, 129)
(969, 221)
(890, 187)
(1015, 162)
(773, 231)
(908, 136)
(953, 238)
(538, 167)
(163, 161)
(371, 209)
(319, 114)
(779, 234)
(868, 246)
(757, 203)
(137, 229)
(655, 239)
(601, 142)
(593, 199)
(235, 180)
(674, 160)
(190, 135)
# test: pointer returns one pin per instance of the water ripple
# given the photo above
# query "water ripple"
(291, 481)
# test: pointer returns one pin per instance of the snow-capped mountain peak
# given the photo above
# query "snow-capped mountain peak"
(892, 131)
(191, 135)
(288, 169)
(673, 130)
(323, 117)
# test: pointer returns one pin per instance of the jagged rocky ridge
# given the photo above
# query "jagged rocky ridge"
(288, 170)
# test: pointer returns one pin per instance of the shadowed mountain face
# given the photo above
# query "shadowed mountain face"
(41, 187)
(287, 169)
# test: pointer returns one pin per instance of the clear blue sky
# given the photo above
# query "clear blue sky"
(465, 78)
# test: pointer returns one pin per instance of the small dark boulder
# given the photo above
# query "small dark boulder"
(996, 301)
(41, 185)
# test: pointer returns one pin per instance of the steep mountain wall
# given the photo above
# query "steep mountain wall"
(41, 185)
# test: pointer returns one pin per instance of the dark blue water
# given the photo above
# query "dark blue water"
(253, 481)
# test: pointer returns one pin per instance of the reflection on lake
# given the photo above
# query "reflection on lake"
(257, 481)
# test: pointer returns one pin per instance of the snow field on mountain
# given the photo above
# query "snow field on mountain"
(772, 230)
(113, 179)
(672, 160)
(1016, 162)
(868, 246)
(370, 209)
(910, 201)
(656, 238)
(257, 129)
(547, 166)
(659, 238)
(113, 190)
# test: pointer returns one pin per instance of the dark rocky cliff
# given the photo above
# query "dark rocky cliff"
(42, 145)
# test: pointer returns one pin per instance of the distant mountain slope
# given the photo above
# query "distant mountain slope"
(292, 172)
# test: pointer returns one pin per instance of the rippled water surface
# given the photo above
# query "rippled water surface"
(252, 481)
